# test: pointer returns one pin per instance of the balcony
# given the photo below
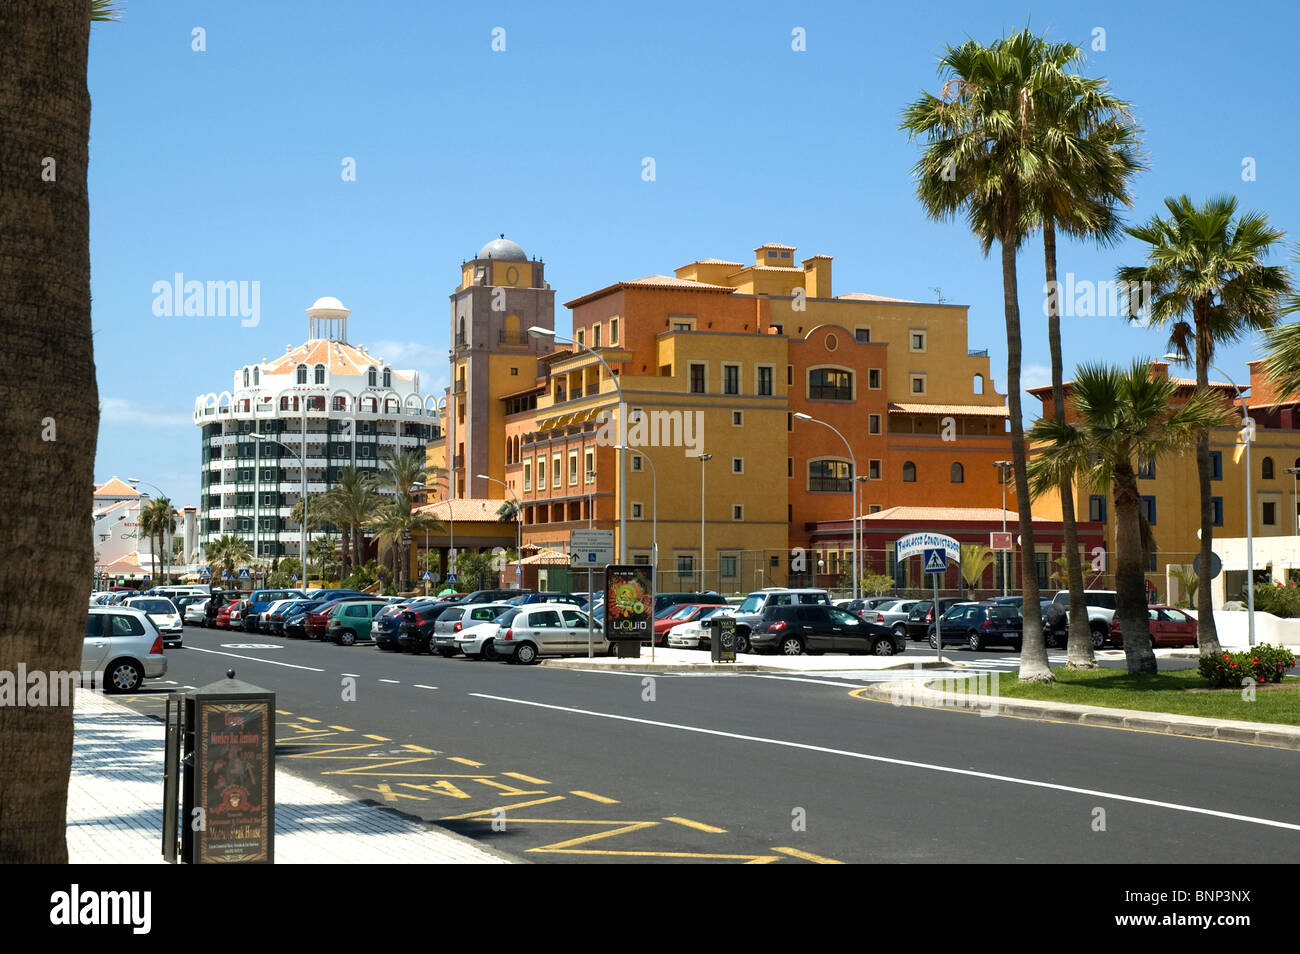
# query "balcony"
(517, 338)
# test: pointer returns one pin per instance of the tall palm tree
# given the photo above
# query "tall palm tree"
(353, 502)
(230, 552)
(982, 155)
(166, 518)
(395, 526)
(1282, 343)
(1118, 418)
(1090, 143)
(148, 522)
(1208, 284)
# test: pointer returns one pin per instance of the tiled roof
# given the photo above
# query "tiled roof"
(114, 487)
(649, 281)
(128, 564)
(547, 557)
(714, 261)
(862, 296)
(919, 514)
(788, 248)
(956, 410)
(1046, 389)
(338, 356)
(464, 509)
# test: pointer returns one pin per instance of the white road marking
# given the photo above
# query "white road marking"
(907, 763)
(269, 662)
(418, 686)
(393, 681)
(354, 675)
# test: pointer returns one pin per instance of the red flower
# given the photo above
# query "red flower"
(1226, 657)
(1232, 665)
(1254, 660)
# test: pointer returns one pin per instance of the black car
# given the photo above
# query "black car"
(977, 625)
(921, 618)
(384, 627)
(295, 621)
(414, 633)
(816, 629)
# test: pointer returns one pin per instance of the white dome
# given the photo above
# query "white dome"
(502, 250)
(328, 303)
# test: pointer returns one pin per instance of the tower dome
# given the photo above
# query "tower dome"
(327, 318)
(501, 249)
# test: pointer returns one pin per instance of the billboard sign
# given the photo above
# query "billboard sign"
(629, 602)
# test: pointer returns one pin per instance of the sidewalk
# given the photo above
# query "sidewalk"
(694, 660)
(115, 806)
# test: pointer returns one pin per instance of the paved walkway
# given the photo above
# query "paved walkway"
(115, 806)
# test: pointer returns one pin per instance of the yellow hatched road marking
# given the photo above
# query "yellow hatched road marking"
(389, 795)
(312, 721)
(504, 808)
(470, 762)
(420, 748)
(698, 826)
(379, 738)
(282, 712)
(596, 798)
(808, 856)
(526, 778)
(341, 728)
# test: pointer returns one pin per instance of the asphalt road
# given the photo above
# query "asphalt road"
(565, 765)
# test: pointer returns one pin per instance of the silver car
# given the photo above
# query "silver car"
(164, 614)
(124, 645)
(455, 619)
(893, 615)
(197, 611)
(546, 629)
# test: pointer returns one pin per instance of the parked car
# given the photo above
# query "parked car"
(525, 598)
(893, 615)
(493, 596)
(271, 620)
(921, 616)
(867, 606)
(670, 617)
(546, 629)
(1101, 612)
(1169, 626)
(751, 610)
(260, 600)
(296, 618)
(977, 625)
(234, 615)
(695, 634)
(676, 599)
(442, 637)
(316, 622)
(415, 622)
(221, 600)
(793, 630)
(350, 622)
(124, 645)
(163, 614)
(196, 613)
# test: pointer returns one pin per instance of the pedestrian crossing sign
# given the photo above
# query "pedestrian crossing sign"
(936, 561)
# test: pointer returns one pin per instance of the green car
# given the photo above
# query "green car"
(351, 621)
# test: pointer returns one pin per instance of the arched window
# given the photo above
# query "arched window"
(388, 377)
(956, 473)
(909, 472)
(255, 375)
(830, 384)
(371, 378)
(320, 374)
(302, 374)
(245, 377)
(1266, 468)
(978, 384)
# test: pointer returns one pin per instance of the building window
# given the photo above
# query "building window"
(245, 377)
(829, 384)
(789, 375)
(636, 511)
(582, 336)
(731, 379)
(1216, 465)
(590, 460)
(388, 377)
(862, 335)
(1040, 569)
(528, 475)
(541, 473)
(636, 462)
(1266, 468)
(789, 466)
(918, 383)
(555, 470)
(1270, 513)
(573, 468)
(686, 565)
(697, 378)
(372, 377)
(830, 476)
(255, 376)
(1146, 468)
(320, 374)
(1148, 505)
(302, 374)
(956, 474)
(873, 379)
(764, 386)
(1097, 508)
(613, 331)
(1151, 559)
(737, 465)
(595, 335)
(874, 508)
(873, 423)
(1216, 504)
(737, 512)
(789, 421)
(737, 418)
(727, 566)
(917, 340)
(909, 472)
(873, 469)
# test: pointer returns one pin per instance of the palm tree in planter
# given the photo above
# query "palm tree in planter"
(975, 561)
(1208, 285)
(1117, 418)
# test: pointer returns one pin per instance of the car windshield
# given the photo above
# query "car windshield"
(507, 616)
(153, 606)
(668, 611)
(1103, 600)
(752, 604)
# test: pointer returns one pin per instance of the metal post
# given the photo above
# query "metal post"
(938, 629)
(704, 459)
(853, 465)
(1250, 539)
(590, 636)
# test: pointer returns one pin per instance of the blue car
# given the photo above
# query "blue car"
(259, 600)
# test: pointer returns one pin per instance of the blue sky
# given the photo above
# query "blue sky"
(225, 165)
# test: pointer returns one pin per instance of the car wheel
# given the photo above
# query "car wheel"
(974, 643)
(1098, 638)
(883, 646)
(123, 676)
(526, 654)
(934, 641)
(742, 641)
(613, 650)
(791, 646)
(490, 651)
(446, 652)
(900, 630)
(347, 637)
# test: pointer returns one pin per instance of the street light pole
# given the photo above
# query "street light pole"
(1295, 504)
(302, 469)
(853, 463)
(704, 459)
(1003, 466)
(539, 332)
(519, 529)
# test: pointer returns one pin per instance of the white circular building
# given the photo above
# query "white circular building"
(327, 402)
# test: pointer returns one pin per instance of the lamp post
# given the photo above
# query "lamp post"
(858, 481)
(1003, 467)
(302, 470)
(704, 459)
(166, 552)
(1295, 504)
(519, 529)
(1247, 436)
(539, 332)
(853, 463)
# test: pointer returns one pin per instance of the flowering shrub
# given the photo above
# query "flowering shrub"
(1262, 663)
(1280, 599)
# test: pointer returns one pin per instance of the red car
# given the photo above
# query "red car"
(318, 623)
(229, 616)
(1169, 626)
(675, 616)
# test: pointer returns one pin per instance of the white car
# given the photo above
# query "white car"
(695, 634)
(124, 645)
(164, 615)
(196, 613)
(478, 641)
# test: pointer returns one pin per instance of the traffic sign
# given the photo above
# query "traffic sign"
(294, 578)
(1000, 540)
(915, 543)
(591, 547)
(451, 578)
(435, 577)
(204, 573)
(426, 576)
(936, 560)
(243, 574)
(1216, 564)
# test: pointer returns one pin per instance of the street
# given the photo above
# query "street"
(570, 765)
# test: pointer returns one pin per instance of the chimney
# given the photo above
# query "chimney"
(817, 282)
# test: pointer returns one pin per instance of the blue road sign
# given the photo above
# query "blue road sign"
(243, 574)
(936, 560)
(204, 573)
(451, 577)
(294, 578)
(426, 576)
(435, 577)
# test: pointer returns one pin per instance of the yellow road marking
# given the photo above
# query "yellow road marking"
(526, 778)
(282, 712)
(438, 788)
(503, 808)
(420, 748)
(389, 795)
(313, 721)
(340, 728)
(698, 826)
(596, 798)
(379, 738)
(470, 762)
(808, 856)
(509, 790)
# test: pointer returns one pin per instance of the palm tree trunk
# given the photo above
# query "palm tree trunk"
(1130, 583)
(45, 343)
(1080, 654)
(1033, 655)
(1207, 635)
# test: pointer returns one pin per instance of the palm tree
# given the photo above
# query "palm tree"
(1282, 343)
(229, 551)
(1090, 139)
(165, 526)
(149, 521)
(395, 527)
(975, 561)
(1120, 417)
(982, 157)
(352, 503)
(1207, 285)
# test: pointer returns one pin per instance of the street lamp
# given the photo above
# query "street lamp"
(858, 481)
(166, 552)
(1003, 467)
(853, 462)
(302, 470)
(519, 529)
(1247, 435)
(704, 459)
(539, 332)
